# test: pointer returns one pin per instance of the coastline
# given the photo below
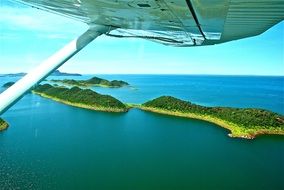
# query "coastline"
(84, 106)
(3, 125)
(235, 130)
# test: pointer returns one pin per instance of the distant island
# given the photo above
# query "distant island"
(55, 73)
(59, 73)
(3, 125)
(13, 75)
(95, 81)
(83, 98)
(244, 123)
(8, 84)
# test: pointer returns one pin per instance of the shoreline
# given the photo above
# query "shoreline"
(84, 106)
(235, 130)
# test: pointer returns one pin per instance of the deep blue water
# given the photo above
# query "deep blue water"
(54, 146)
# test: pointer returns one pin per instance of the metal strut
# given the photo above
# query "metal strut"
(15, 92)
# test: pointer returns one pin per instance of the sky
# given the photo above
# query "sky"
(28, 36)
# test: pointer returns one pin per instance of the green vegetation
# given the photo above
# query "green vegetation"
(81, 98)
(242, 122)
(8, 84)
(95, 81)
(3, 124)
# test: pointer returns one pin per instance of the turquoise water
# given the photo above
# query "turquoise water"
(53, 146)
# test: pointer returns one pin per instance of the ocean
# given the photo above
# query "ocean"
(50, 145)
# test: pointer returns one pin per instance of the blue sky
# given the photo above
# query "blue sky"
(28, 36)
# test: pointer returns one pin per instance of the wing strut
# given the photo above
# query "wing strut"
(15, 92)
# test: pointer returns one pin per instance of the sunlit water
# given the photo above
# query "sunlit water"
(53, 146)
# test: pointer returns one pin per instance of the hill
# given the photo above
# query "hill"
(242, 122)
(84, 98)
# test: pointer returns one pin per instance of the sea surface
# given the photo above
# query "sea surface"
(50, 145)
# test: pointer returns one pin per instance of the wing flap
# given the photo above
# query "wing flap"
(250, 18)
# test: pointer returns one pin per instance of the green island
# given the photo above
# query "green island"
(3, 125)
(242, 122)
(95, 81)
(8, 84)
(83, 98)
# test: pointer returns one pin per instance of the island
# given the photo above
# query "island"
(83, 98)
(59, 73)
(55, 73)
(3, 125)
(95, 81)
(13, 75)
(242, 122)
(8, 84)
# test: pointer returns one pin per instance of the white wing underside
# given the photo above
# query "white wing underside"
(173, 22)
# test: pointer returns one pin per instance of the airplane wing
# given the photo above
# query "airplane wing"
(173, 22)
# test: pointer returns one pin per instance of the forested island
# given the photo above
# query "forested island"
(3, 125)
(55, 73)
(95, 81)
(8, 84)
(242, 122)
(59, 73)
(13, 75)
(83, 98)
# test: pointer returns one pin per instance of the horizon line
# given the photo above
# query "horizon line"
(200, 74)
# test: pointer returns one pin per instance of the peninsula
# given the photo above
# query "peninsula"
(95, 81)
(242, 122)
(83, 98)
(3, 125)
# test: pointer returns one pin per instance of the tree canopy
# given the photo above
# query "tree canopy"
(245, 117)
(81, 96)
